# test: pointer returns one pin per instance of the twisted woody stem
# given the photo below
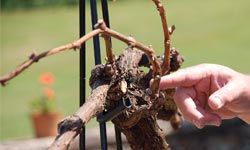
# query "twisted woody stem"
(167, 32)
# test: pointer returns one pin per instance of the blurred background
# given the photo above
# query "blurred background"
(206, 32)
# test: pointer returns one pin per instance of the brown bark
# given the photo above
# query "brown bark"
(70, 127)
(125, 79)
(146, 135)
(138, 123)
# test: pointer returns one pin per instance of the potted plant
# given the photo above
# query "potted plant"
(44, 115)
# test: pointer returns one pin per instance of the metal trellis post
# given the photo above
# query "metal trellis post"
(105, 116)
(82, 23)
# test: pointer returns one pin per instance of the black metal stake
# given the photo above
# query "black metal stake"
(105, 13)
(118, 138)
(82, 23)
(105, 116)
(97, 54)
(96, 40)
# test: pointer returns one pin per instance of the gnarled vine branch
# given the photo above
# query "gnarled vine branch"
(70, 127)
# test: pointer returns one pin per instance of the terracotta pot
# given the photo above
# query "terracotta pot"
(45, 124)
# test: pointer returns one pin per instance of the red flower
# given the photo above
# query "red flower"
(47, 78)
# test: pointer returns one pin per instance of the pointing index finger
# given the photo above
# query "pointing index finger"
(184, 77)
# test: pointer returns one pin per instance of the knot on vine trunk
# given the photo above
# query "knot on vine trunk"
(3, 83)
(33, 57)
(72, 123)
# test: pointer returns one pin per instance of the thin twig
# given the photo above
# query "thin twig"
(108, 45)
(109, 53)
(102, 28)
(132, 42)
(149, 51)
(36, 57)
(166, 62)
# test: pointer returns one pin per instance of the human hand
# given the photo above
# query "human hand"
(208, 93)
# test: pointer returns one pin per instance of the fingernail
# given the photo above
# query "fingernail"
(217, 102)
(213, 123)
(198, 124)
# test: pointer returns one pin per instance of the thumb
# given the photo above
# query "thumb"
(226, 94)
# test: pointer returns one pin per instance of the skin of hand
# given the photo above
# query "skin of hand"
(208, 93)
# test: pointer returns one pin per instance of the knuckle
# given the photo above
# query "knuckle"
(206, 66)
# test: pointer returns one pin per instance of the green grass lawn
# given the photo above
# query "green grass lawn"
(207, 32)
